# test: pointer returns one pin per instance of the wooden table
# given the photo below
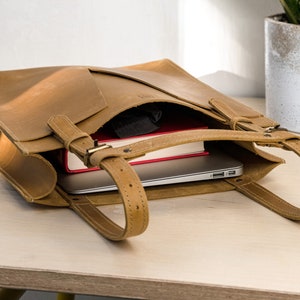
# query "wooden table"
(214, 246)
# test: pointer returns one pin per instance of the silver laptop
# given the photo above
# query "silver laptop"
(216, 165)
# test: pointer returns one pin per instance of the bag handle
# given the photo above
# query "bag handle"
(283, 139)
(256, 192)
(132, 193)
(134, 199)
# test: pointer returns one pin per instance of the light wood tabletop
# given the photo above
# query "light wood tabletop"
(213, 246)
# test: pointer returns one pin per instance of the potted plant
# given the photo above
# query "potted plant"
(282, 65)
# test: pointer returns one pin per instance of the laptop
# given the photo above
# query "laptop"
(216, 165)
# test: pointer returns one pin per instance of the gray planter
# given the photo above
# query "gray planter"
(282, 69)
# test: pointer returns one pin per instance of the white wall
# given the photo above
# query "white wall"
(219, 41)
(222, 42)
(86, 32)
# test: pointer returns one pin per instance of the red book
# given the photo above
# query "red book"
(73, 164)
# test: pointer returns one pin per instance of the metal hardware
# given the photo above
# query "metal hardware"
(90, 151)
(269, 130)
(274, 128)
(97, 147)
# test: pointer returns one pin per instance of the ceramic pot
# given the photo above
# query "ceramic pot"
(282, 70)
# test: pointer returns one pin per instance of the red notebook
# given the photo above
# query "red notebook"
(73, 164)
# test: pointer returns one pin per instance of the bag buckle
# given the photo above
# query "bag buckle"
(97, 147)
(90, 151)
(271, 129)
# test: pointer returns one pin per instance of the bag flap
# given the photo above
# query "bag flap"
(166, 76)
(30, 97)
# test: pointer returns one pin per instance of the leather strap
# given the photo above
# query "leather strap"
(254, 191)
(78, 142)
(140, 148)
(293, 145)
(258, 124)
(132, 193)
(134, 199)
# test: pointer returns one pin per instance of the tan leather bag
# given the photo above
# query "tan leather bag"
(45, 109)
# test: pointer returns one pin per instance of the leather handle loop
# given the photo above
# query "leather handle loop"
(130, 188)
(73, 138)
(256, 192)
(133, 197)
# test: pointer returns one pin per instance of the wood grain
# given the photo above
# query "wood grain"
(212, 246)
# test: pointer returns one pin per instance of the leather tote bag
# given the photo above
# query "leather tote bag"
(46, 109)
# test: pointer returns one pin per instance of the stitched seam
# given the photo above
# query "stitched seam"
(125, 196)
(286, 210)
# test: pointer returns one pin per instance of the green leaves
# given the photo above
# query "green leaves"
(292, 10)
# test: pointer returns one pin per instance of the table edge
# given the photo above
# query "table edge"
(128, 287)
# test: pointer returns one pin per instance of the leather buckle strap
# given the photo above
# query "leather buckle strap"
(73, 139)
(89, 152)
(280, 138)
(132, 193)
(130, 188)
(259, 123)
